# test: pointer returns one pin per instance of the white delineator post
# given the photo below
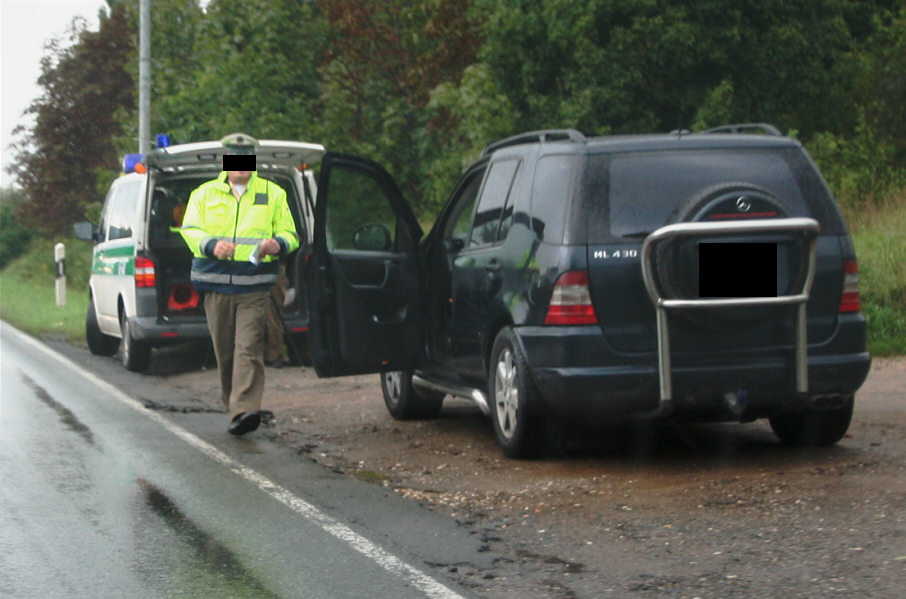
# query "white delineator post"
(59, 257)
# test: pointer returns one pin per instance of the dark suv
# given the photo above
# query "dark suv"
(705, 275)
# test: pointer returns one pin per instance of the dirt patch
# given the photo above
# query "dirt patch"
(665, 509)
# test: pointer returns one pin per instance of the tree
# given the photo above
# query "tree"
(650, 65)
(251, 70)
(86, 88)
(382, 59)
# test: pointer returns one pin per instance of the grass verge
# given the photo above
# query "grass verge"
(28, 295)
(880, 240)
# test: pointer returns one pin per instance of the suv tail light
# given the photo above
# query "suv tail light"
(850, 302)
(571, 301)
(144, 272)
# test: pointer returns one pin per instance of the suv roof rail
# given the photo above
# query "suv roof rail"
(535, 136)
(766, 128)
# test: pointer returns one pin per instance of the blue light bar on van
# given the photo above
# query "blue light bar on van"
(162, 140)
(129, 162)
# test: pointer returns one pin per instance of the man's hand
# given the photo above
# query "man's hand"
(269, 246)
(224, 249)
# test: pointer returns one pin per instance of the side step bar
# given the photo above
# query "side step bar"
(459, 391)
(806, 227)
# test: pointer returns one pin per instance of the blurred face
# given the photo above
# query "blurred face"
(239, 177)
(239, 167)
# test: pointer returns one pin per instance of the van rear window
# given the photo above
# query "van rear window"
(645, 188)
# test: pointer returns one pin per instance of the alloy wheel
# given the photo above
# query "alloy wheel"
(506, 393)
(393, 382)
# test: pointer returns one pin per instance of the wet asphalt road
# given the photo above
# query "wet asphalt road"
(101, 497)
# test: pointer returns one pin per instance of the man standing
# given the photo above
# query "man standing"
(238, 226)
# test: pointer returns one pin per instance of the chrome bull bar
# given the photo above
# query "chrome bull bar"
(806, 227)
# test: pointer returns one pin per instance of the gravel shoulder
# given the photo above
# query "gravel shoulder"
(647, 510)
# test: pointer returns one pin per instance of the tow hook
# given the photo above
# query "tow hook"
(826, 402)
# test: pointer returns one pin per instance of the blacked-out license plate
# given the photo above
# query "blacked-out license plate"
(737, 270)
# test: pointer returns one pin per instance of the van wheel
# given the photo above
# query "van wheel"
(813, 428)
(405, 401)
(99, 344)
(136, 355)
(514, 400)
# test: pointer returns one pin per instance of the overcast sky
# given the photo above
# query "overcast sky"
(24, 27)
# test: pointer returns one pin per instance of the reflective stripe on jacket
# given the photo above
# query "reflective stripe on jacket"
(213, 214)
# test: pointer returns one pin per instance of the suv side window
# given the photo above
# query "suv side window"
(123, 206)
(460, 221)
(492, 201)
(550, 196)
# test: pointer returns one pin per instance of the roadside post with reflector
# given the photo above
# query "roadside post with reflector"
(59, 258)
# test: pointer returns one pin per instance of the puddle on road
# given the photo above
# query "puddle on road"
(66, 416)
(201, 567)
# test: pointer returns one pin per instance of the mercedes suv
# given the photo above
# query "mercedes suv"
(706, 276)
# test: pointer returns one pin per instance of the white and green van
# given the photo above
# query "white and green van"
(140, 291)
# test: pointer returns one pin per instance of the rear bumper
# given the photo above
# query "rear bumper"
(156, 332)
(577, 373)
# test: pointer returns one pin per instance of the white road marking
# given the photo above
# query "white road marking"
(431, 587)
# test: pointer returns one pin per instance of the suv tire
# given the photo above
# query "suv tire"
(514, 400)
(813, 428)
(136, 355)
(99, 344)
(676, 261)
(406, 402)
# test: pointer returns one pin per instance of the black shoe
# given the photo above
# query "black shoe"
(244, 423)
(278, 363)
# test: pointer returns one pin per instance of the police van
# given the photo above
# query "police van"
(141, 296)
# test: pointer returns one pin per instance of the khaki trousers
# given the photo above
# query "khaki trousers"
(237, 323)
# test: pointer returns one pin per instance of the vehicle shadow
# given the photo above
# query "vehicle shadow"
(672, 444)
(183, 357)
(657, 444)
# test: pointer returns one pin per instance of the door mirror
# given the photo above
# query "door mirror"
(454, 244)
(373, 237)
(84, 230)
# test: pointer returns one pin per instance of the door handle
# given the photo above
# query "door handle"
(493, 266)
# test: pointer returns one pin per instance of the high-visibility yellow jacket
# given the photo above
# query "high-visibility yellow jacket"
(213, 214)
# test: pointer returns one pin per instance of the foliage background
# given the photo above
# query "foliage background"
(422, 85)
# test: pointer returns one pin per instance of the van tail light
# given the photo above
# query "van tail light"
(144, 272)
(182, 297)
(850, 302)
(571, 301)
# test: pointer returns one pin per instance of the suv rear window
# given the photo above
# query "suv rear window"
(645, 188)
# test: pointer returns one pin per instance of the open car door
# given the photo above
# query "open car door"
(365, 300)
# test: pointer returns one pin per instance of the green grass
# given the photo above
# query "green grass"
(33, 308)
(880, 240)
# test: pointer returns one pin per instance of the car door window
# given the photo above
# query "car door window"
(492, 201)
(364, 210)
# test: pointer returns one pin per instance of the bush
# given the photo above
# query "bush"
(14, 237)
(862, 171)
